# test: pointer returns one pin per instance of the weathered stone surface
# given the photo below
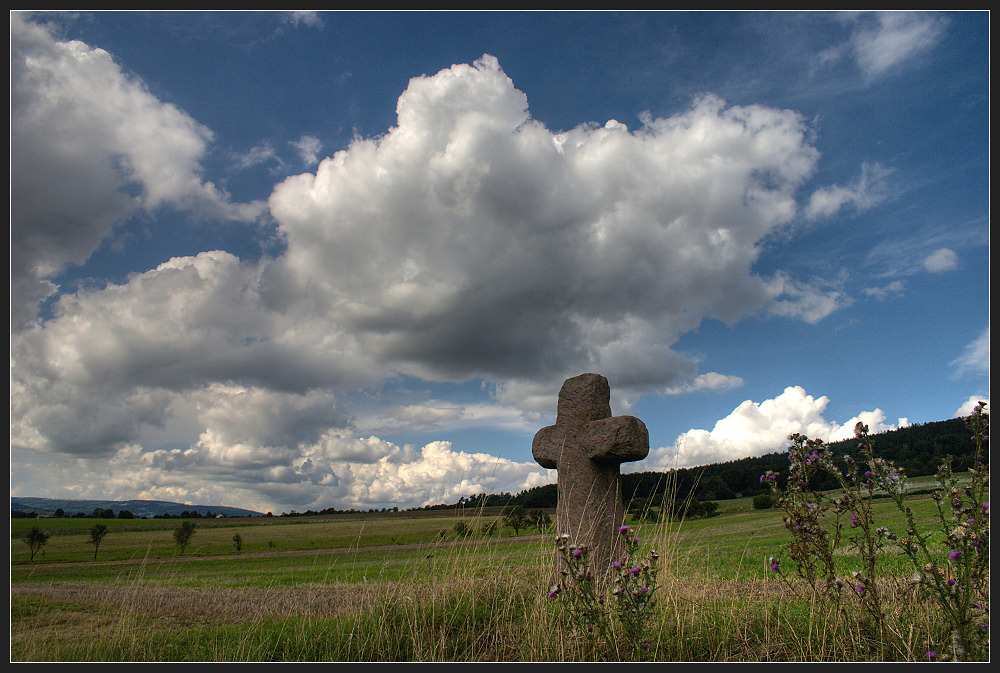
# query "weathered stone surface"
(587, 446)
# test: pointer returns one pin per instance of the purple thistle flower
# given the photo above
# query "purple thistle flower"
(931, 654)
(954, 555)
(577, 553)
(951, 582)
(623, 529)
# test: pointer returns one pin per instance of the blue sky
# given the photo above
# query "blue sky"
(286, 260)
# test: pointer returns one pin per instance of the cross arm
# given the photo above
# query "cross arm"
(620, 439)
(547, 445)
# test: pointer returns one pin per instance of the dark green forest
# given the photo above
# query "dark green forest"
(918, 449)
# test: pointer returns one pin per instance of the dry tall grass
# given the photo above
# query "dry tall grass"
(477, 605)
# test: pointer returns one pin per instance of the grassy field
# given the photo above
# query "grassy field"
(393, 587)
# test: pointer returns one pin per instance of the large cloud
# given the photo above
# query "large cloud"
(471, 240)
(467, 241)
(89, 146)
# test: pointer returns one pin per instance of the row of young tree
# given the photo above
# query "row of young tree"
(108, 513)
(37, 538)
(98, 513)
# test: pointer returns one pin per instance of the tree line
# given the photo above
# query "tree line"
(918, 449)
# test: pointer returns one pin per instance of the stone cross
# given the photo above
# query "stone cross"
(587, 445)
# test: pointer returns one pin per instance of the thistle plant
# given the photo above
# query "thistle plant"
(811, 548)
(634, 589)
(578, 594)
(951, 561)
(633, 586)
(955, 571)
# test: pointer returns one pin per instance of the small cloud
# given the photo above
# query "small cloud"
(708, 381)
(976, 357)
(866, 192)
(888, 39)
(941, 259)
(305, 18)
(895, 287)
(255, 156)
(805, 301)
(308, 148)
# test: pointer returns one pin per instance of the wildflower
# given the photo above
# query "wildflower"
(635, 571)
(951, 582)
(554, 591)
(623, 529)
(774, 563)
(577, 553)
(861, 590)
(645, 646)
(954, 555)
(931, 654)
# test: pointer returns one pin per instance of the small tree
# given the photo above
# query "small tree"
(539, 519)
(35, 539)
(516, 518)
(183, 533)
(238, 541)
(97, 533)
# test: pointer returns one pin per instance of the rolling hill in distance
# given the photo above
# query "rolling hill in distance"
(138, 508)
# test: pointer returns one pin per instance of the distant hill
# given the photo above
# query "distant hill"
(138, 508)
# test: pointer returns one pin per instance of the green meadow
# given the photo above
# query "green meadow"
(405, 587)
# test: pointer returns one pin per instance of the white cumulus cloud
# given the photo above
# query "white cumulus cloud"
(467, 241)
(89, 145)
(942, 259)
(758, 428)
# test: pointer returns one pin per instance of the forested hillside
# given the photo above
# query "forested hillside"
(917, 448)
